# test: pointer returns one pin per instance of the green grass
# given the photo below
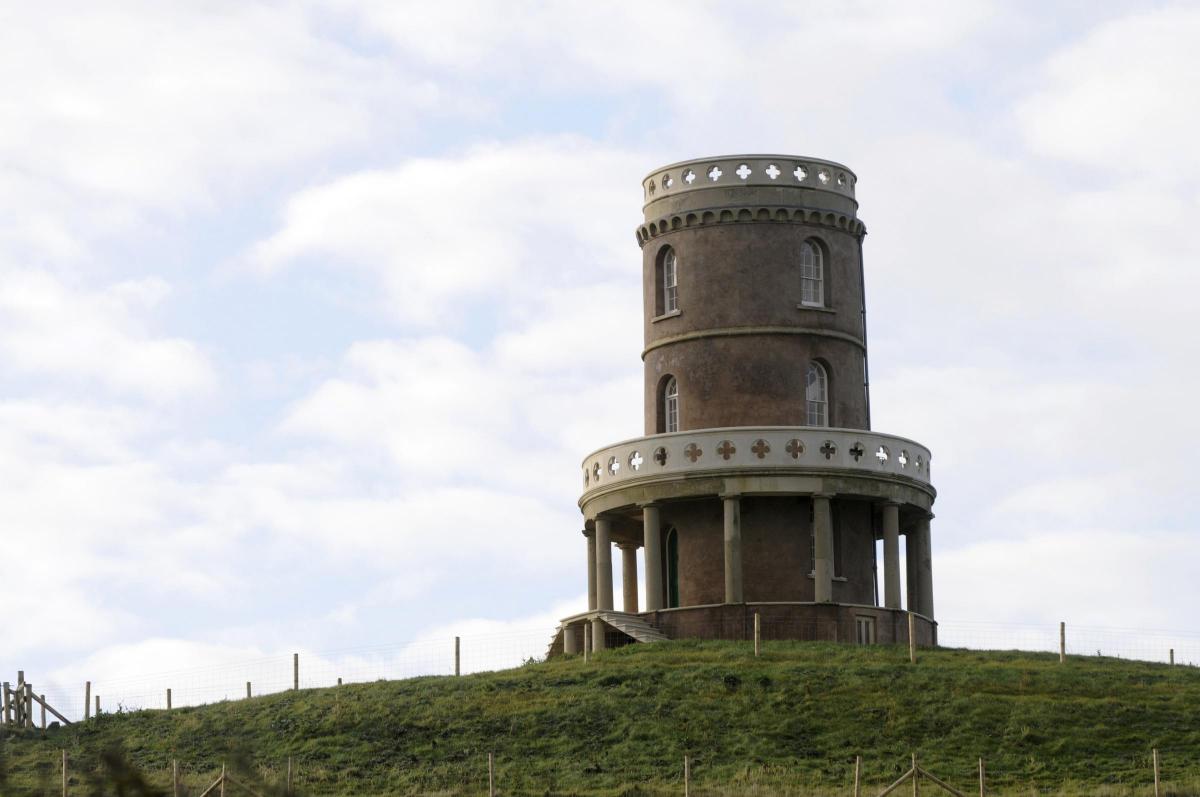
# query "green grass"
(789, 722)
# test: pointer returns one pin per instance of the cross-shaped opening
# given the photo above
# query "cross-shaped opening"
(586, 477)
(660, 455)
(596, 471)
(920, 464)
(841, 179)
(693, 452)
(903, 458)
(823, 175)
(714, 173)
(761, 448)
(689, 177)
(829, 449)
(652, 187)
(726, 449)
(668, 181)
(795, 448)
(857, 451)
(613, 465)
(800, 173)
(773, 171)
(743, 171)
(882, 454)
(635, 460)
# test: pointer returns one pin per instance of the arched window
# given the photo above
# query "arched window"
(812, 275)
(670, 405)
(672, 569)
(816, 394)
(670, 282)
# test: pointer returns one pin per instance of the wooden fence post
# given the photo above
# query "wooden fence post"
(29, 706)
(247, 690)
(168, 698)
(981, 780)
(1155, 756)
(289, 776)
(339, 680)
(64, 768)
(7, 700)
(916, 772)
(222, 792)
(43, 702)
(491, 775)
(687, 776)
(97, 706)
(87, 699)
(757, 634)
(296, 672)
(1172, 657)
(174, 777)
(912, 638)
(857, 775)
(457, 656)
(1062, 642)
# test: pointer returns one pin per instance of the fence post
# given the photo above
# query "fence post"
(247, 690)
(912, 638)
(687, 776)
(7, 699)
(29, 706)
(296, 672)
(168, 698)
(222, 792)
(981, 794)
(1062, 642)
(87, 699)
(757, 634)
(289, 776)
(491, 775)
(174, 777)
(97, 706)
(1172, 657)
(64, 767)
(916, 773)
(457, 656)
(1155, 755)
(43, 700)
(857, 774)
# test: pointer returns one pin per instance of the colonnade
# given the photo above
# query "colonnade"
(919, 564)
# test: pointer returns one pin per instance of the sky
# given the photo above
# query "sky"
(309, 311)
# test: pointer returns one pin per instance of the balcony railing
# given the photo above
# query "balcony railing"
(745, 448)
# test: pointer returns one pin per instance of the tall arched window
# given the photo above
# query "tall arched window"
(672, 568)
(670, 405)
(816, 394)
(812, 275)
(670, 282)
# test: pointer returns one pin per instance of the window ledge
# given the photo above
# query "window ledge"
(820, 308)
(843, 579)
(664, 316)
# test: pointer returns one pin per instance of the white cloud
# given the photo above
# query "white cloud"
(51, 328)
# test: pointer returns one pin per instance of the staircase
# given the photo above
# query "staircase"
(633, 626)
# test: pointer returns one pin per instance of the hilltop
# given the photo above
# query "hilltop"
(789, 722)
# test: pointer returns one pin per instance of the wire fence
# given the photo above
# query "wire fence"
(488, 652)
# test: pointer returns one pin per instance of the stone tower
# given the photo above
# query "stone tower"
(759, 486)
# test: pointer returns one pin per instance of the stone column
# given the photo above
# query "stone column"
(891, 556)
(591, 568)
(823, 545)
(652, 545)
(911, 547)
(629, 578)
(569, 646)
(604, 585)
(733, 549)
(925, 567)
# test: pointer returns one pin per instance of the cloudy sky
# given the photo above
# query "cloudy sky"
(309, 311)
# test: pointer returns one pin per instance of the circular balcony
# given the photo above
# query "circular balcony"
(729, 171)
(750, 451)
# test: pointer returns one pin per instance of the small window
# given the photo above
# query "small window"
(671, 405)
(812, 275)
(816, 394)
(670, 283)
(864, 630)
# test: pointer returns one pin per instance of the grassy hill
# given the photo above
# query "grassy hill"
(789, 722)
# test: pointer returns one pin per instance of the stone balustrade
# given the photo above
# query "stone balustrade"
(739, 170)
(749, 449)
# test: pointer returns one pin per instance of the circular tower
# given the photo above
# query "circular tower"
(759, 488)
